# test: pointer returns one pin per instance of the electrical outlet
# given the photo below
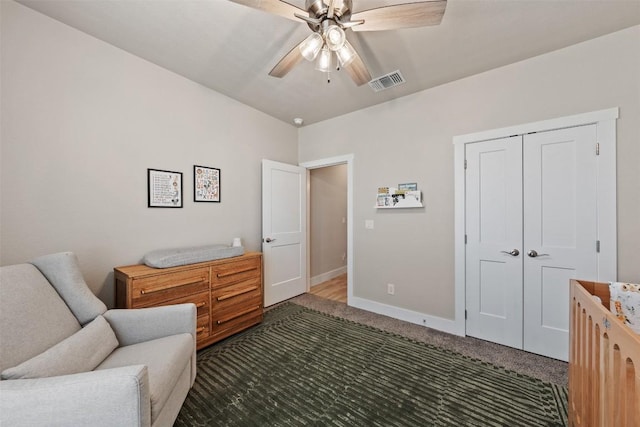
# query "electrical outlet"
(368, 224)
(391, 288)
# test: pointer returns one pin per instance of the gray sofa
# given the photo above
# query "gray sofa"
(65, 360)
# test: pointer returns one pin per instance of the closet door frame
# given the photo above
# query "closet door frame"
(605, 121)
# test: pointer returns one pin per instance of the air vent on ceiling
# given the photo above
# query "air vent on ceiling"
(387, 81)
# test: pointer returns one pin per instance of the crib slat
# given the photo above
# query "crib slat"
(604, 362)
(630, 398)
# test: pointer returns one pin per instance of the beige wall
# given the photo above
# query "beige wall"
(81, 123)
(410, 140)
(328, 213)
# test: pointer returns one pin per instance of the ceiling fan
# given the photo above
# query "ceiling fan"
(329, 20)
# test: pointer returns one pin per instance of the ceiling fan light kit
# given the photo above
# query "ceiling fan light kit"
(324, 60)
(346, 54)
(311, 46)
(329, 20)
(334, 37)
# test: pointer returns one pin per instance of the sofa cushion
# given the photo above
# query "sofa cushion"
(32, 315)
(81, 352)
(63, 272)
(165, 359)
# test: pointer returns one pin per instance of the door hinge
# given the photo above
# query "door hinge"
(465, 164)
(597, 148)
(598, 246)
(465, 239)
(465, 314)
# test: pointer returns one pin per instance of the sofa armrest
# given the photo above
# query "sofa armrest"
(133, 326)
(137, 325)
(108, 397)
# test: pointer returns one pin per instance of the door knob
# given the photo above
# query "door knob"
(532, 253)
(514, 252)
(269, 240)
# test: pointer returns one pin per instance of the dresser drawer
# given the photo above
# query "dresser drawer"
(235, 318)
(236, 293)
(159, 289)
(236, 271)
(236, 306)
(201, 300)
(202, 327)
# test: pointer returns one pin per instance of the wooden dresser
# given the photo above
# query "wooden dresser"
(227, 292)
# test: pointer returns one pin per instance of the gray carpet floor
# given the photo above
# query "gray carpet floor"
(533, 365)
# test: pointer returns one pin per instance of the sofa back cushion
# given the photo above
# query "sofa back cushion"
(81, 352)
(33, 317)
(63, 272)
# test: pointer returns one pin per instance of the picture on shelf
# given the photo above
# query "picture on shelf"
(383, 200)
(415, 194)
(396, 198)
(412, 186)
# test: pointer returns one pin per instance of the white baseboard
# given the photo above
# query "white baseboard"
(434, 322)
(320, 278)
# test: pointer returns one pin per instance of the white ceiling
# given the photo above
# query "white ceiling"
(230, 48)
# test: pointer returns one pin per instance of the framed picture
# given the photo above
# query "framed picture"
(206, 184)
(410, 186)
(164, 188)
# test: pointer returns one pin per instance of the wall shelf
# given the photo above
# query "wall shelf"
(406, 196)
(418, 205)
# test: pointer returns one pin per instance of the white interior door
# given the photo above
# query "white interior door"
(494, 240)
(284, 222)
(560, 226)
(535, 195)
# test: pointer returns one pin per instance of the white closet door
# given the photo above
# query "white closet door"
(494, 240)
(560, 225)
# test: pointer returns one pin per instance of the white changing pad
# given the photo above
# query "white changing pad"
(165, 258)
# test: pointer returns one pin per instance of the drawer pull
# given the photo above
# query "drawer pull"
(200, 330)
(201, 304)
(169, 286)
(236, 315)
(236, 293)
(231, 273)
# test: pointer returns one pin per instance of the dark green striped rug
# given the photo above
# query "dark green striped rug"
(305, 368)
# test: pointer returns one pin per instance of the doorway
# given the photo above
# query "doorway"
(328, 232)
(328, 274)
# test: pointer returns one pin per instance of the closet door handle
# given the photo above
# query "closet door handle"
(514, 252)
(532, 253)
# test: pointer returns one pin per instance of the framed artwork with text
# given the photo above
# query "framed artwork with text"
(206, 184)
(164, 189)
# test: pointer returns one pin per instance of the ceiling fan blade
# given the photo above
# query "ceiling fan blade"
(277, 7)
(332, 4)
(358, 71)
(287, 62)
(398, 16)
